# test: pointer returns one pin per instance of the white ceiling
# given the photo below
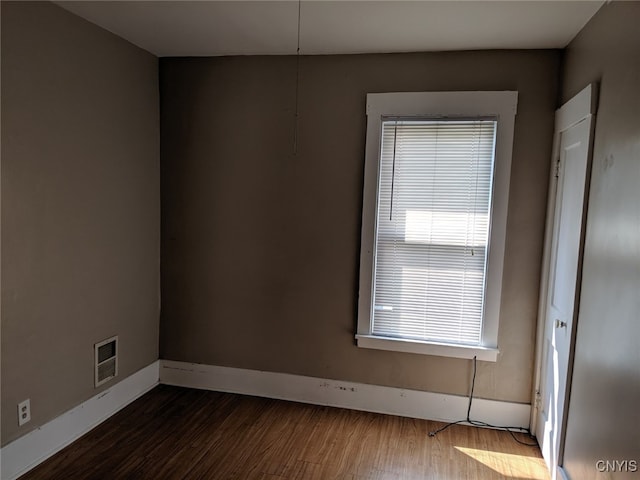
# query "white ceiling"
(209, 28)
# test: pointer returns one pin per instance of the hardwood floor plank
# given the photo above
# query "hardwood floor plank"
(176, 433)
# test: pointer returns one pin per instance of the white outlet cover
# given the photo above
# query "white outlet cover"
(24, 412)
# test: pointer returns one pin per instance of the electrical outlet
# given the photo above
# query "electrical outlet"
(24, 412)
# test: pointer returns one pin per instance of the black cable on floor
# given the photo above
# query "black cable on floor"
(477, 423)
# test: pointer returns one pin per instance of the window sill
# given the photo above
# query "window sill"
(486, 354)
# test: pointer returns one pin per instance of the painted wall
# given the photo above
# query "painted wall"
(603, 416)
(80, 208)
(260, 246)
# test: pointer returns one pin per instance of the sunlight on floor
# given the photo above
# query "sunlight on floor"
(509, 465)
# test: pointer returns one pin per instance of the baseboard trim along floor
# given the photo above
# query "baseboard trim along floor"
(335, 393)
(28, 451)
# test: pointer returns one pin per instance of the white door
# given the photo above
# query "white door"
(562, 288)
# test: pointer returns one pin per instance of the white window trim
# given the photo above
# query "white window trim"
(503, 106)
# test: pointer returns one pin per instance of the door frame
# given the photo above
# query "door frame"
(580, 107)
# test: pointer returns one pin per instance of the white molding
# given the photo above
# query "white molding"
(500, 104)
(577, 109)
(582, 106)
(427, 348)
(23, 454)
(28, 451)
(335, 393)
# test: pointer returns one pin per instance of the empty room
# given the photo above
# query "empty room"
(320, 240)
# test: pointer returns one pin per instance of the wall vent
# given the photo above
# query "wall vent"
(106, 360)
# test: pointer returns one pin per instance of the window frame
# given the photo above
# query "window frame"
(438, 105)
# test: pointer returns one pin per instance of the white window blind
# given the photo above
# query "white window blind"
(432, 229)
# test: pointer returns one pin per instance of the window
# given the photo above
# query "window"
(435, 204)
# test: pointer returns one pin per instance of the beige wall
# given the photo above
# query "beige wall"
(80, 208)
(261, 247)
(604, 413)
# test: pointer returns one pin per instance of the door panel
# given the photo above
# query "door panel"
(564, 269)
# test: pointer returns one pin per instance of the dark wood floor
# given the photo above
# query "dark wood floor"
(178, 433)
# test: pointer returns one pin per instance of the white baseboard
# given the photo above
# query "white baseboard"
(28, 451)
(23, 454)
(356, 396)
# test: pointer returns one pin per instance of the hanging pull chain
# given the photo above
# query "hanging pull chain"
(295, 129)
(393, 167)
